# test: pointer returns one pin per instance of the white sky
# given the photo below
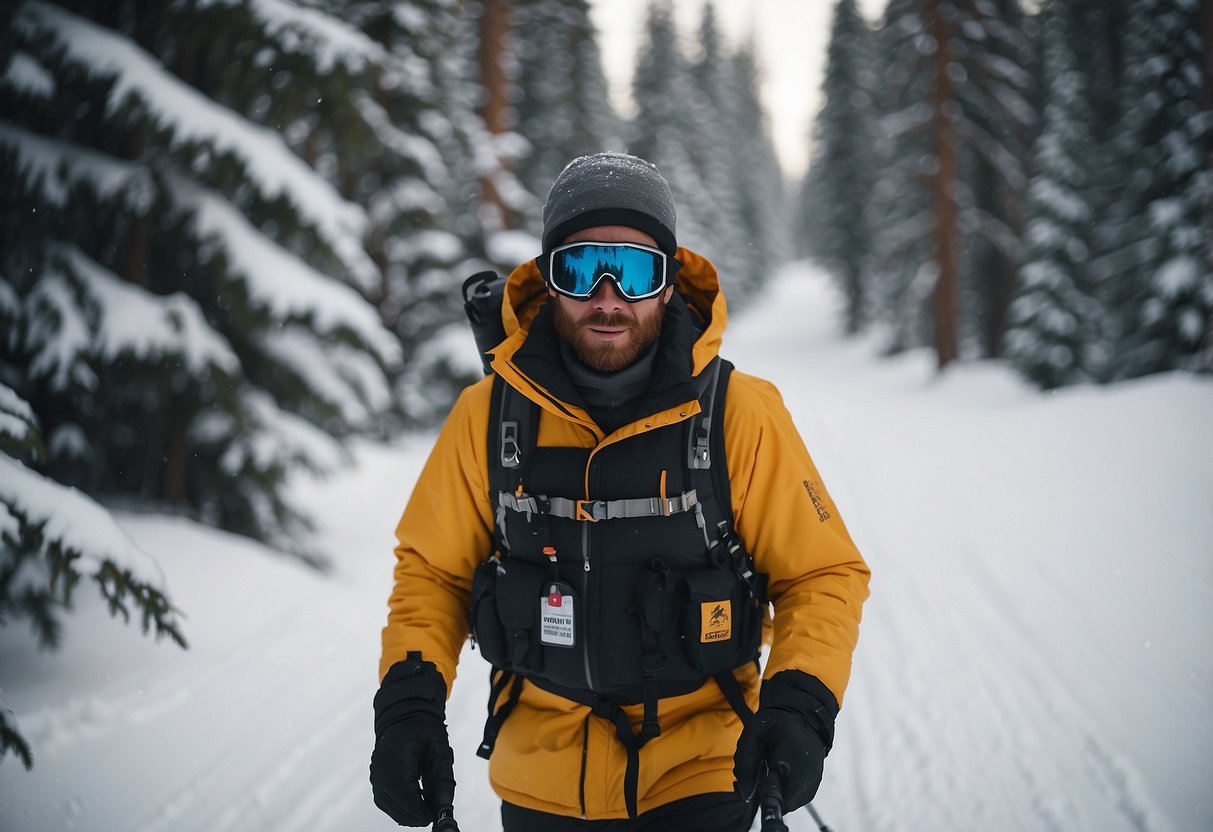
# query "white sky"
(791, 37)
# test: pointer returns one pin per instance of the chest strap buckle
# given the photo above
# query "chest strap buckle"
(591, 510)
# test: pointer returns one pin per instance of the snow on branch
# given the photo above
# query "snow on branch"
(78, 310)
(407, 145)
(189, 118)
(52, 535)
(347, 379)
(280, 281)
(19, 433)
(28, 77)
(58, 335)
(133, 321)
(906, 121)
(54, 169)
(309, 31)
(994, 152)
(278, 440)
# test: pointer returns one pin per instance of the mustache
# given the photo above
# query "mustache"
(608, 320)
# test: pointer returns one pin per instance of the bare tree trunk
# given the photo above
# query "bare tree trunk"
(494, 31)
(943, 199)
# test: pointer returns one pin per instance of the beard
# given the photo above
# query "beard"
(609, 356)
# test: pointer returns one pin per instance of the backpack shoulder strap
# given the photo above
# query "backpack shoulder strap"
(512, 436)
(705, 444)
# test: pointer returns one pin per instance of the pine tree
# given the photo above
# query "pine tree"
(831, 225)
(665, 130)
(413, 171)
(561, 97)
(758, 185)
(902, 269)
(996, 180)
(715, 146)
(951, 80)
(189, 326)
(1054, 337)
(1162, 276)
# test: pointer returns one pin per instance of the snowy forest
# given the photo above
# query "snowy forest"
(234, 231)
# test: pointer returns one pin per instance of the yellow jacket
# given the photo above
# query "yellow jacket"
(782, 512)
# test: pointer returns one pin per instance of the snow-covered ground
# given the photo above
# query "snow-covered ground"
(1035, 655)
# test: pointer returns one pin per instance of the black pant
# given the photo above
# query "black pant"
(718, 812)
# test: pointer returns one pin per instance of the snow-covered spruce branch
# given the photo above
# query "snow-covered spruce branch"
(188, 120)
(51, 538)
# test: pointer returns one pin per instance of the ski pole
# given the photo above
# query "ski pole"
(446, 820)
(817, 819)
(771, 804)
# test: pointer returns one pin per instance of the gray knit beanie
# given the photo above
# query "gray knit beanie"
(610, 189)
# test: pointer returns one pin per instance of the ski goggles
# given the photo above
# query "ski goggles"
(638, 272)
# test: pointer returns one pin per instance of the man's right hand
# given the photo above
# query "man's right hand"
(412, 766)
(412, 750)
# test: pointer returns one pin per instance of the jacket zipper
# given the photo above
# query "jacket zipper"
(585, 753)
(585, 594)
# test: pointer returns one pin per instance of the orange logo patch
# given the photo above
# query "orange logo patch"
(716, 619)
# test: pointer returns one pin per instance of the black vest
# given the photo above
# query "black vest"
(663, 596)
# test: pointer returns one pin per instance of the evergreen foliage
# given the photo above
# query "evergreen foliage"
(715, 145)
(1091, 263)
(1161, 267)
(417, 174)
(1055, 337)
(901, 271)
(561, 97)
(758, 184)
(996, 175)
(53, 538)
(180, 260)
(831, 226)
(664, 123)
(957, 95)
(701, 122)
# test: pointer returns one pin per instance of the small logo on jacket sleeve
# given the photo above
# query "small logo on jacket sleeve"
(823, 513)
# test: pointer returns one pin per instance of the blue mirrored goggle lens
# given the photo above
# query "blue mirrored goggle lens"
(636, 272)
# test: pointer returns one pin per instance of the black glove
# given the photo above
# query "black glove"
(792, 732)
(411, 744)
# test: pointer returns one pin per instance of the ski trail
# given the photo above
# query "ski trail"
(956, 718)
(277, 758)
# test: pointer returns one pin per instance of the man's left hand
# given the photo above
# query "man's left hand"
(791, 732)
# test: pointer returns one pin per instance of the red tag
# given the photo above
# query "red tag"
(554, 599)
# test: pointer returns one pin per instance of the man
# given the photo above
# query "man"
(618, 581)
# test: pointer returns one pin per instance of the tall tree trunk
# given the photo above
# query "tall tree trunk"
(175, 462)
(943, 199)
(494, 32)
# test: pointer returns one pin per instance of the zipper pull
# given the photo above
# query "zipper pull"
(586, 563)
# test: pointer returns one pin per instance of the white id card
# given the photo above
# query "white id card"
(557, 624)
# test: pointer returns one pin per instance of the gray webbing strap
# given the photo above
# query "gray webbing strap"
(594, 510)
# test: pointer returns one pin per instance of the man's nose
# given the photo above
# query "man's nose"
(607, 298)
